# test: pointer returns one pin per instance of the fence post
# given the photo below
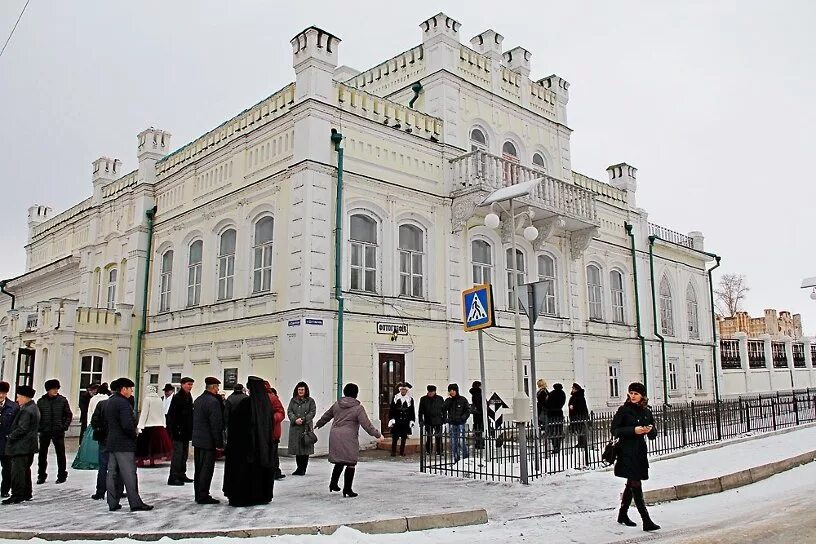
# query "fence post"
(796, 410)
(748, 416)
(717, 404)
(421, 450)
(683, 425)
(773, 411)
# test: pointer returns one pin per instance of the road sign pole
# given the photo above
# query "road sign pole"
(532, 314)
(485, 428)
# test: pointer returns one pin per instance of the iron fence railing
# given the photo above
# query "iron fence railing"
(560, 444)
(756, 354)
(730, 354)
(780, 357)
(799, 355)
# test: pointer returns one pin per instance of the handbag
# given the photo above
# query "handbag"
(610, 453)
(309, 438)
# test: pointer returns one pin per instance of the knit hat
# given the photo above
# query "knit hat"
(26, 391)
(453, 387)
(351, 390)
(4, 387)
(431, 388)
(637, 387)
(52, 384)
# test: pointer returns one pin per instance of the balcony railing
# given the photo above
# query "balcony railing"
(729, 354)
(799, 356)
(756, 354)
(780, 358)
(482, 170)
(670, 236)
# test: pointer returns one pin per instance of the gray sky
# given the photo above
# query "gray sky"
(713, 101)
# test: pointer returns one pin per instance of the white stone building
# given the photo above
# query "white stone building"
(242, 262)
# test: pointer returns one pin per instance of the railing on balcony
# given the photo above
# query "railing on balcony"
(670, 236)
(481, 169)
(780, 358)
(31, 322)
(799, 355)
(756, 354)
(729, 354)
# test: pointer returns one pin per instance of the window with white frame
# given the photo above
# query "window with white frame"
(482, 259)
(363, 238)
(613, 377)
(538, 161)
(616, 284)
(166, 280)
(672, 363)
(691, 313)
(226, 264)
(511, 159)
(262, 252)
(112, 276)
(546, 274)
(90, 370)
(478, 140)
(97, 288)
(194, 258)
(666, 314)
(514, 266)
(594, 292)
(698, 374)
(411, 260)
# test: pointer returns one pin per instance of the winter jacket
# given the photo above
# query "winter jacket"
(578, 412)
(431, 410)
(300, 408)
(180, 417)
(456, 410)
(554, 407)
(152, 414)
(403, 413)
(55, 415)
(208, 421)
(230, 403)
(476, 402)
(344, 442)
(84, 404)
(632, 461)
(98, 422)
(541, 403)
(7, 413)
(95, 400)
(121, 423)
(22, 439)
(278, 415)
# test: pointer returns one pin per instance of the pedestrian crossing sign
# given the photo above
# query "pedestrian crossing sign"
(477, 306)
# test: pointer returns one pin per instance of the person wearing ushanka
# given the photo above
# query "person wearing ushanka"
(208, 435)
(55, 418)
(8, 409)
(402, 416)
(21, 445)
(180, 427)
(632, 423)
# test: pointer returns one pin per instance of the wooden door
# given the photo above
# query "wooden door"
(25, 368)
(392, 372)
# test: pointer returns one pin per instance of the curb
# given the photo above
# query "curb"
(382, 526)
(728, 481)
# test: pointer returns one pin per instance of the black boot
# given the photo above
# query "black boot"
(623, 515)
(402, 446)
(335, 478)
(394, 445)
(648, 524)
(348, 479)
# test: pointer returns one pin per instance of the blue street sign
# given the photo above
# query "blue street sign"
(477, 307)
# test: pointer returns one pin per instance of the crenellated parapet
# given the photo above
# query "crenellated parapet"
(387, 112)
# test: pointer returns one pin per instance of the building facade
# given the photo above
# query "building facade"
(243, 250)
(773, 323)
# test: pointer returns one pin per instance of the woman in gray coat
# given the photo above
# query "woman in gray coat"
(301, 413)
(344, 444)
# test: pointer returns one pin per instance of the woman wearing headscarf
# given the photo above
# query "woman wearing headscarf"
(301, 411)
(344, 445)
(249, 465)
(632, 423)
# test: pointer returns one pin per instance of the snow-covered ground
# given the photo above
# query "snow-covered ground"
(576, 506)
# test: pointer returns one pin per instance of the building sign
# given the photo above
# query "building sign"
(230, 378)
(294, 322)
(400, 329)
(477, 305)
(314, 321)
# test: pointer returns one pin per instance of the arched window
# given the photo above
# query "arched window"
(509, 151)
(226, 264)
(482, 256)
(691, 313)
(112, 276)
(594, 292)
(510, 155)
(166, 280)
(411, 256)
(363, 238)
(538, 160)
(666, 314)
(194, 259)
(262, 251)
(546, 273)
(478, 141)
(616, 284)
(514, 266)
(90, 370)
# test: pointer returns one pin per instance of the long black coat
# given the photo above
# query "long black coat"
(431, 410)
(403, 413)
(22, 440)
(180, 417)
(121, 422)
(632, 461)
(208, 422)
(55, 415)
(7, 414)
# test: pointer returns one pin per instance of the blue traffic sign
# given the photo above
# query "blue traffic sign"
(477, 306)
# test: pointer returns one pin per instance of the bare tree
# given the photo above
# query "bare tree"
(730, 293)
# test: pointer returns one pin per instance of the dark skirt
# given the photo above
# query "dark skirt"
(153, 445)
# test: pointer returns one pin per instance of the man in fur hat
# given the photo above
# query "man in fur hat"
(21, 445)
(55, 418)
(208, 435)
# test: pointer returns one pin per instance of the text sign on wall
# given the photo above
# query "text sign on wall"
(400, 329)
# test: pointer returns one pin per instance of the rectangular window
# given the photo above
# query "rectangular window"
(153, 378)
(518, 268)
(595, 293)
(411, 274)
(698, 374)
(112, 275)
(90, 371)
(613, 374)
(694, 329)
(673, 374)
(175, 380)
(25, 367)
(262, 273)
(194, 285)
(31, 322)
(164, 302)
(226, 276)
(363, 267)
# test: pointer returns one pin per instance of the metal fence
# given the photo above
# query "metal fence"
(560, 445)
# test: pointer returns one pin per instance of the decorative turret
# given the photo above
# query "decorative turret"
(314, 58)
(488, 43)
(624, 177)
(104, 170)
(152, 145)
(36, 215)
(518, 60)
(440, 42)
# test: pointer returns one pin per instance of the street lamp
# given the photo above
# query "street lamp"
(521, 402)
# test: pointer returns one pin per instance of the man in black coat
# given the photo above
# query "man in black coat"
(8, 409)
(476, 409)
(84, 402)
(456, 411)
(100, 434)
(180, 427)
(231, 402)
(55, 418)
(121, 445)
(208, 435)
(431, 418)
(21, 445)
(555, 415)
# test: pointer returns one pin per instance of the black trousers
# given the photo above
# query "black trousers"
(21, 476)
(302, 462)
(204, 461)
(401, 438)
(275, 458)
(178, 464)
(102, 471)
(433, 433)
(59, 448)
(122, 474)
(478, 428)
(5, 463)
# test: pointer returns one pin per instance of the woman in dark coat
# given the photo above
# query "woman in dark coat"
(631, 424)
(579, 418)
(249, 468)
(301, 412)
(554, 408)
(344, 444)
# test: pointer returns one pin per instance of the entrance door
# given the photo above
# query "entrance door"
(25, 368)
(392, 372)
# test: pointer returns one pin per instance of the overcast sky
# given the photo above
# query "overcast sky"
(712, 101)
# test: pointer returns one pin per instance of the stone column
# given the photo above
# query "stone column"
(743, 353)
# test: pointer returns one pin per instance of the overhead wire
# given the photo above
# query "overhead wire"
(14, 28)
